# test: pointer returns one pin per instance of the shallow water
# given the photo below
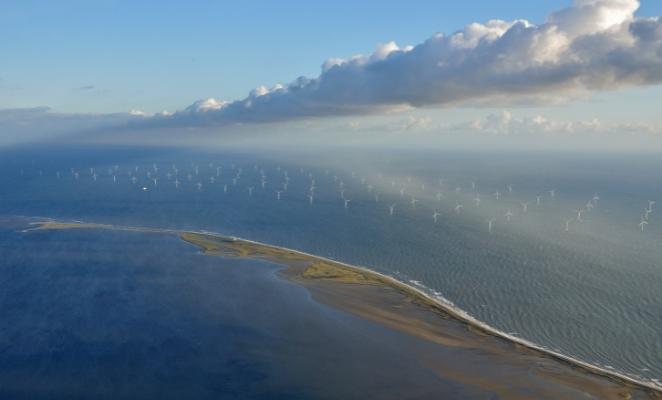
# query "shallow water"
(94, 314)
(594, 292)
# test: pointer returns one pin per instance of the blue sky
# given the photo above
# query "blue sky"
(111, 56)
(552, 68)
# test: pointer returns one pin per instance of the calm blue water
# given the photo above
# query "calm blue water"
(121, 315)
(594, 292)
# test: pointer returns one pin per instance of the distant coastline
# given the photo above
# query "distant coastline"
(333, 281)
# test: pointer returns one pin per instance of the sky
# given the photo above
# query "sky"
(106, 58)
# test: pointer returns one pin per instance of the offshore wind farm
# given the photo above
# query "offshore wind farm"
(563, 263)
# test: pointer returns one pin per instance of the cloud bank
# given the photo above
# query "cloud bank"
(594, 45)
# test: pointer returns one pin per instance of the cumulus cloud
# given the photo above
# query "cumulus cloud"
(593, 45)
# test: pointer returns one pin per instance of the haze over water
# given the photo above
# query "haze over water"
(593, 292)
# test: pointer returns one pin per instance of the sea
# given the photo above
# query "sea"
(562, 250)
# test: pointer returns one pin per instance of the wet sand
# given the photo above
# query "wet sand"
(459, 350)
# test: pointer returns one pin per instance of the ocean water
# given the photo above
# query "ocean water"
(593, 291)
(117, 315)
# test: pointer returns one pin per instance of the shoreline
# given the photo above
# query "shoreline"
(437, 303)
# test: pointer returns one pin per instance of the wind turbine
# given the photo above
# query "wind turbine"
(643, 224)
(567, 224)
(579, 214)
(439, 196)
(413, 202)
(538, 199)
(509, 214)
(552, 193)
(199, 186)
(310, 199)
(278, 193)
(458, 208)
(510, 188)
(391, 209)
(490, 222)
(497, 194)
(435, 216)
(347, 203)
(589, 205)
(225, 188)
(477, 200)
(176, 183)
(525, 207)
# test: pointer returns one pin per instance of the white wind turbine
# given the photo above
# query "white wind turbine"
(225, 188)
(579, 212)
(497, 194)
(199, 184)
(391, 209)
(477, 200)
(567, 224)
(310, 199)
(435, 216)
(538, 199)
(458, 208)
(490, 223)
(347, 203)
(413, 202)
(525, 207)
(509, 215)
(278, 193)
(643, 224)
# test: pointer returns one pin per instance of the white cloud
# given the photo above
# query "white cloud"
(504, 123)
(593, 45)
